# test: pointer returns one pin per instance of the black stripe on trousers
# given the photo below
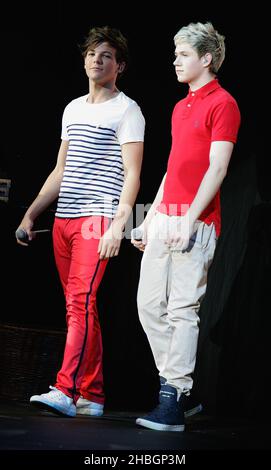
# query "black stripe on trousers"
(86, 332)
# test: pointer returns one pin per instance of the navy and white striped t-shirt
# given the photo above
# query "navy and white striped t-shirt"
(94, 175)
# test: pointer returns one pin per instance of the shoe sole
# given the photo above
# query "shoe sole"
(193, 411)
(160, 427)
(89, 414)
(46, 406)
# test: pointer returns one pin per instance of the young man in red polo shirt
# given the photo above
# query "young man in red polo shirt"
(181, 228)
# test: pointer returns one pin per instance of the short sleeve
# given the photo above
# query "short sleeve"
(64, 131)
(225, 122)
(132, 125)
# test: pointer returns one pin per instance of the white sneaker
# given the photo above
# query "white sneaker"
(55, 401)
(88, 408)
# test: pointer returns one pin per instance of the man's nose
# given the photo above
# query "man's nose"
(97, 58)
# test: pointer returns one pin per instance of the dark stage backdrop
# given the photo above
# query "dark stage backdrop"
(42, 70)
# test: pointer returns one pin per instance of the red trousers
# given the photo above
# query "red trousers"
(80, 269)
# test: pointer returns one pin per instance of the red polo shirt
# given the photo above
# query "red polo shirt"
(206, 115)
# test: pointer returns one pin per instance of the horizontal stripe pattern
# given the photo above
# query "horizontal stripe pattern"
(93, 176)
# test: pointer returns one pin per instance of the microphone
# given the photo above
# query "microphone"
(137, 234)
(22, 235)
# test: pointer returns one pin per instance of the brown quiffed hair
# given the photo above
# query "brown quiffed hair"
(112, 36)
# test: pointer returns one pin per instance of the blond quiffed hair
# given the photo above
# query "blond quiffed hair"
(204, 39)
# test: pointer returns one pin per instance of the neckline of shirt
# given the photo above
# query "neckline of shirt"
(102, 102)
(205, 89)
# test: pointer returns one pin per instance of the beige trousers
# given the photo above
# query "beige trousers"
(171, 287)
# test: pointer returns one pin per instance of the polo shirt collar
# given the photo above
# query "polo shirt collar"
(205, 89)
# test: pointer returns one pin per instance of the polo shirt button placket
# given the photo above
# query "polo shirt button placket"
(189, 105)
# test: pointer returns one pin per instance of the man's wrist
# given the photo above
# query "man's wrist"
(190, 217)
(118, 224)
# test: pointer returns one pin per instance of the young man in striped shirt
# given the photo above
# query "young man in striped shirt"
(182, 226)
(96, 180)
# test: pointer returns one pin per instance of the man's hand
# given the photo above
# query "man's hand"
(109, 244)
(141, 242)
(180, 236)
(25, 225)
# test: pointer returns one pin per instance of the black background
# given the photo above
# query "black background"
(42, 70)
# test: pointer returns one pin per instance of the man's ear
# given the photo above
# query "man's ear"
(207, 59)
(121, 67)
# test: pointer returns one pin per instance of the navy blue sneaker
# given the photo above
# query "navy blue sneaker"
(191, 406)
(168, 415)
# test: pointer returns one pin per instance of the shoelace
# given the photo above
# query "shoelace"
(54, 388)
(57, 394)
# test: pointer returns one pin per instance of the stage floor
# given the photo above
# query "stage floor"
(24, 428)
